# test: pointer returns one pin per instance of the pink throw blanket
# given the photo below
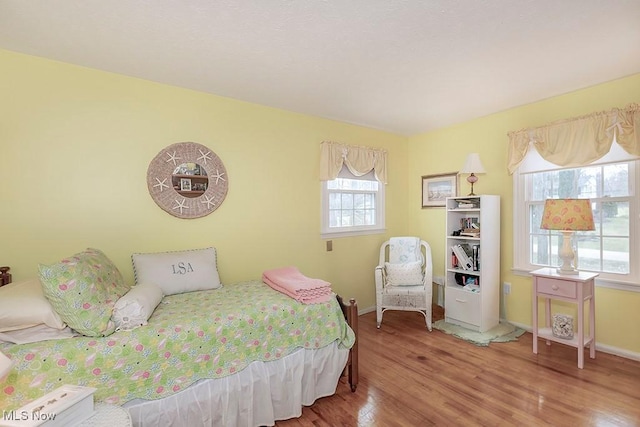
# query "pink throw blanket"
(290, 281)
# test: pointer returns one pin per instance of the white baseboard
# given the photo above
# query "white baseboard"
(600, 347)
(362, 311)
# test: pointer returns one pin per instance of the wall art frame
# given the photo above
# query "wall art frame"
(164, 180)
(185, 184)
(436, 189)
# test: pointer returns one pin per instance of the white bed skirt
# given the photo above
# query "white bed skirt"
(258, 395)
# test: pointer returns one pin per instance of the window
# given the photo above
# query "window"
(352, 205)
(611, 248)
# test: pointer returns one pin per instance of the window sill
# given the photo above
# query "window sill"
(351, 233)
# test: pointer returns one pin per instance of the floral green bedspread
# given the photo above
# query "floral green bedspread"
(190, 336)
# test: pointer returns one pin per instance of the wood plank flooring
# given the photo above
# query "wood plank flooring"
(410, 377)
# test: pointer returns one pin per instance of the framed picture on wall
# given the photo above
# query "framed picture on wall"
(436, 188)
(185, 184)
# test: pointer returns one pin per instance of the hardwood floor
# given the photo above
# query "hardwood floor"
(410, 377)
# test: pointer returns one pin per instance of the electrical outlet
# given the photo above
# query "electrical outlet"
(506, 288)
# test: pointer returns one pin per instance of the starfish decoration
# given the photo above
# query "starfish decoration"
(181, 205)
(218, 176)
(209, 202)
(172, 158)
(205, 156)
(161, 184)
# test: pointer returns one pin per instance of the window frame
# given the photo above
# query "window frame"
(378, 228)
(521, 228)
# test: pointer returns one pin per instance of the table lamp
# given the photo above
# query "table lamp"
(567, 216)
(472, 166)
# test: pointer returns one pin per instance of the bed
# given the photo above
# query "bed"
(240, 354)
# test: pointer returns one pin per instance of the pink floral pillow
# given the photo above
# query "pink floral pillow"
(83, 289)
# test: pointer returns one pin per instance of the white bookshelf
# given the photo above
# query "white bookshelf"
(477, 309)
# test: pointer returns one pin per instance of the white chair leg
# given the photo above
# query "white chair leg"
(378, 316)
(427, 318)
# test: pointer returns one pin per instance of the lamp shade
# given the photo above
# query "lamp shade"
(567, 215)
(5, 365)
(473, 164)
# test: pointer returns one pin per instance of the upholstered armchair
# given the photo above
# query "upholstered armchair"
(404, 277)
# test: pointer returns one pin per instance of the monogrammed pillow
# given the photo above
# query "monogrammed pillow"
(178, 272)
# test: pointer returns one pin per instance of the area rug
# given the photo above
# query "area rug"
(503, 332)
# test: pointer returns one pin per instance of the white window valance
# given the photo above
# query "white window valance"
(359, 160)
(578, 141)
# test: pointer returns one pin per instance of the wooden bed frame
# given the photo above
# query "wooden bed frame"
(350, 312)
(5, 276)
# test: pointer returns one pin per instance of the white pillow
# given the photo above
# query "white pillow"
(36, 333)
(405, 274)
(136, 306)
(23, 305)
(178, 272)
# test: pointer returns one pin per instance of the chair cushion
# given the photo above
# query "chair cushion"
(405, 274)
(405, 290)
(404, 249)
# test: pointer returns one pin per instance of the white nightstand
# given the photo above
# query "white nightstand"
(108, 416)
(578, 289)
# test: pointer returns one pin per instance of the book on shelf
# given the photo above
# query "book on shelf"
(464, 261)
(475, 257)
(461, 258)
(473, 254)
(470, 232)
(467, 203)
(467, 249)
(470, 223)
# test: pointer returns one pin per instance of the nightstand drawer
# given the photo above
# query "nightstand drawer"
(556, 287)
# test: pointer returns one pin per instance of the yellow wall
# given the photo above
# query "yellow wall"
(76, 144)
(617, 313)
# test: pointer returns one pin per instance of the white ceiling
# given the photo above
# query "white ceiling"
(406, 66)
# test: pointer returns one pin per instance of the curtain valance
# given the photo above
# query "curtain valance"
(359, 160)
(579, 141)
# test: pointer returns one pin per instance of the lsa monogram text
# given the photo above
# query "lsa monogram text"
(182, 268)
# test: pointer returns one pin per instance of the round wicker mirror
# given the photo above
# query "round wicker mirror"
(187, 180)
